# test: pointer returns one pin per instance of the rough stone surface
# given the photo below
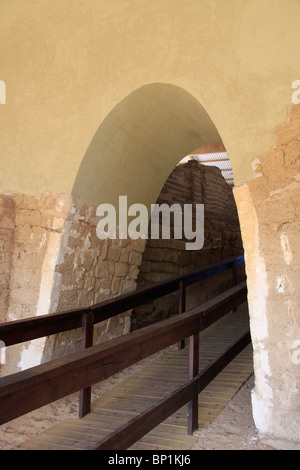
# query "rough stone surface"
(191, 183)
(38, 222)
(52, 260)
(89, 271)
(7, 228)
(270, 223)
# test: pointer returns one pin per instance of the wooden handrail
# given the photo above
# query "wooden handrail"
(140, 425)
(27, 329)
(30, 389)
(19, 331)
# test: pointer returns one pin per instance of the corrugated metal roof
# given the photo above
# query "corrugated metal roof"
(220, 160)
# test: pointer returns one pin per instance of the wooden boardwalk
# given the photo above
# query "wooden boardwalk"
(153, 383)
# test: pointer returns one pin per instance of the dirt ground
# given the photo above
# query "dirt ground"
(234, 428)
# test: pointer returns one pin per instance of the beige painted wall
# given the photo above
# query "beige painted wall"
(66, 65)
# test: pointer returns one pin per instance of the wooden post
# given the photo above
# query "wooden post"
(193, 371)
(86, 342)
(181, 308)
(234, 278)
(234, 274)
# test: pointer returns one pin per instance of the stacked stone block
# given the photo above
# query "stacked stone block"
(191, 183)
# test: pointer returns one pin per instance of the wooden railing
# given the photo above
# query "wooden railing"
(27, 329)
(30, 389)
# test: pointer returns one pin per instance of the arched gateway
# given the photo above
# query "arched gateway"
(103, 100)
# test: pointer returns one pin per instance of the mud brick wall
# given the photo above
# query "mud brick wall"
(191, 183)
(7, 230)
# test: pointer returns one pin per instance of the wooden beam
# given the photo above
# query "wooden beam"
(27, 329)
(181, 308)
(128, 434)
(86, 342)
(25, 391)
(19, 331)
(136, 428)
(193, 371)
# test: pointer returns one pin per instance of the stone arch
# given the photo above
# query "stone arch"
(141, 140)
(258, 67)
(139, 144)
(132, 153)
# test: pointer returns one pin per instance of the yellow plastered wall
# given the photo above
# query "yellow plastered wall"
(139, 143)
(68, 64)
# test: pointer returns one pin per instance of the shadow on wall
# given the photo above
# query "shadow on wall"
(139, 143)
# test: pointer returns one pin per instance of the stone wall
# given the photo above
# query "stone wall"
(270, 221)
(51, 260)
(7, 229)
(89, 271)
(37, 229)
(194, 184)
(38, 224)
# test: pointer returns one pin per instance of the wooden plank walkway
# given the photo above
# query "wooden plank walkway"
(153, 383)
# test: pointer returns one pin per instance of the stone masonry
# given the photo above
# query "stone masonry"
(270, 221)
(7, 228)
(51, 261)
(194, 184)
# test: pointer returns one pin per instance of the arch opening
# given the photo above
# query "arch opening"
(134, 152)
(139, 143)
(194, 183)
